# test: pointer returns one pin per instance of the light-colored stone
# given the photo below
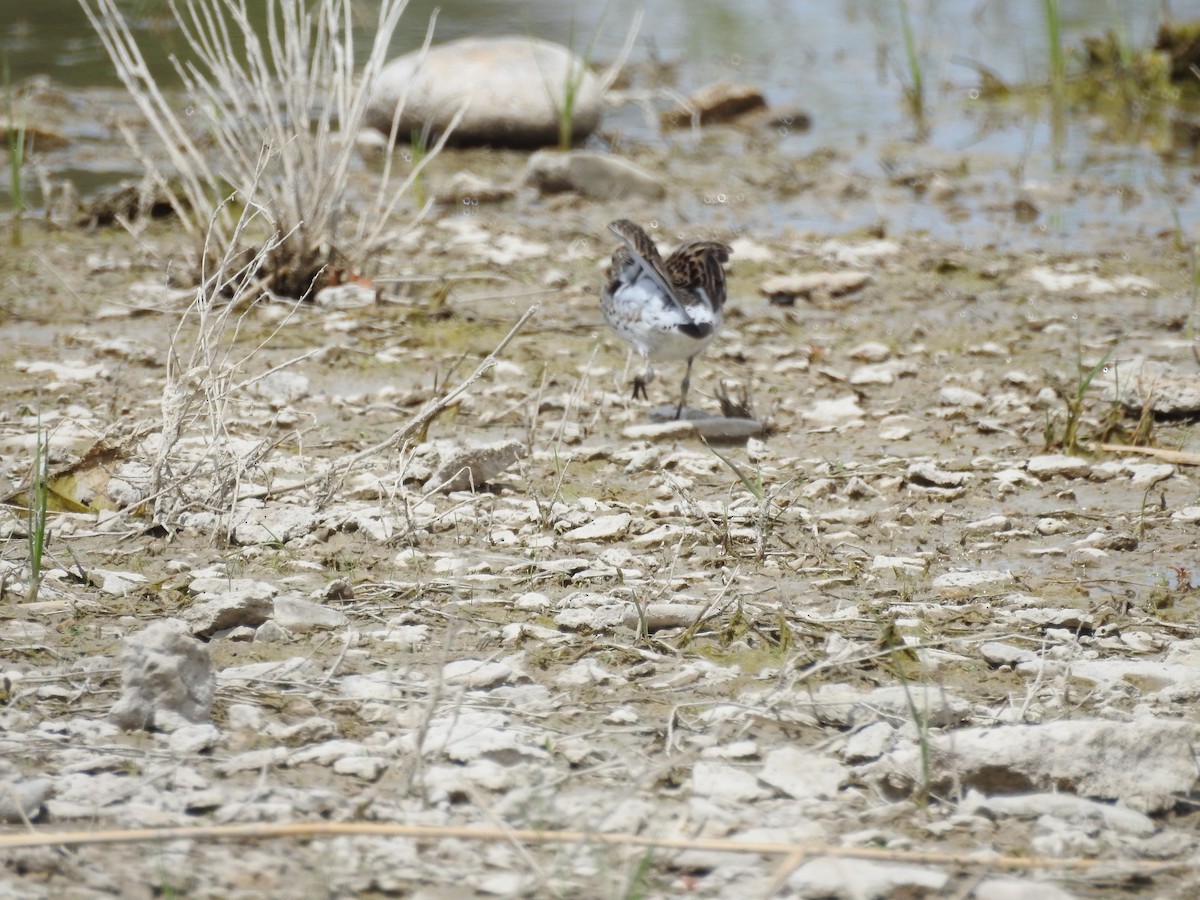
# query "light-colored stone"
(470, 467)
(862, 879)
(1020, 889)
(966, 584)
(832, 413)
(21, 798)
(1145, 764)
(601, 528)
(802, 774)
(163, 671)
(242, 602)
(595, 175)
(1058, 465)
(301, 616)
(783, 290)
(512, 89)
(719, 102)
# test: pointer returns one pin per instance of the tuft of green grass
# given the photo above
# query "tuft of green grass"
(418, 150)
(577, 69)
(39, 501)
(1054, 45)
(16, 157)
(914, 91)
(1074, 398)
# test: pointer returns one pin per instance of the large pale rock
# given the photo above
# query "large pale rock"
(511, 87)
(1146, 764)
(1167, 391)
(166, 676)
(861, 879)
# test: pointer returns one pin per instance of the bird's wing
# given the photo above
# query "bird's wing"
(642, 249)
(699, 267)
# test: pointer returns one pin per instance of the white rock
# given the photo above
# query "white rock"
(1169, 391)
(1067, 278)
(862, 253)
(245, 717)
(22, 798)
(1188, 514)
(1146, 764)
(861, 879)
(512, 87)
(118, 584)
(870, 352)
(784, 289)
(163, 670)
(906, 565)
(965, 584)
(957, 396)
(1019, 889)
(326, 753)
(368, 768)
(194, 738)
(470, 467)
(1063, 806)
(878, 373)
(588, 672)
(244, 603)
(929, 474)
(1147, 474)
(998, 653)
(601, 528)
(868, 743)
(281, 388)
(64, 371)
(829, 413)
(725, 783)
(302, 616)
(1059, 465)
(476, 674)
(990, 525)
(595, 175)
(274, 524)
(469, 189)
(802, 774)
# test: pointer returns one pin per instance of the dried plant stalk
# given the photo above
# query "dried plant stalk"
(290, 96)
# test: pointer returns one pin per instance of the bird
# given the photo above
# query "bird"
(667, 310)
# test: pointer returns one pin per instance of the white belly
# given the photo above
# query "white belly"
(640, 314)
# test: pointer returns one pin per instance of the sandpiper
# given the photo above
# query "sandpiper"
(666, 310)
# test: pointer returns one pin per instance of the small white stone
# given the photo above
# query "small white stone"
(963, 584)
(829, 413)
(601, 528)
(1059, 465)
(958, 396)
(1147, 474)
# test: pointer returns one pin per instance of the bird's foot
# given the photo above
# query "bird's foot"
(639, 388)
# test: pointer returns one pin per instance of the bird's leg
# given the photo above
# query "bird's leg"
(640, 382)
(683, 389)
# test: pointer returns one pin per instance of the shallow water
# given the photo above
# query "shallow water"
(842, 63)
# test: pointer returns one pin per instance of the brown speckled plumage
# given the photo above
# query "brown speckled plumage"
(668, 309)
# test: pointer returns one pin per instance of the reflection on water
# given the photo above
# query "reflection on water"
(843, 63)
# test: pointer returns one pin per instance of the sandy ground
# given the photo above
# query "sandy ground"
(619, 634)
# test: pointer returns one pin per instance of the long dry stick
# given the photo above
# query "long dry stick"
(1178, 457)
(414, 426)
(267, 831)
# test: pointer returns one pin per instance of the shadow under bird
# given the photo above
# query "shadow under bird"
(668, 310)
